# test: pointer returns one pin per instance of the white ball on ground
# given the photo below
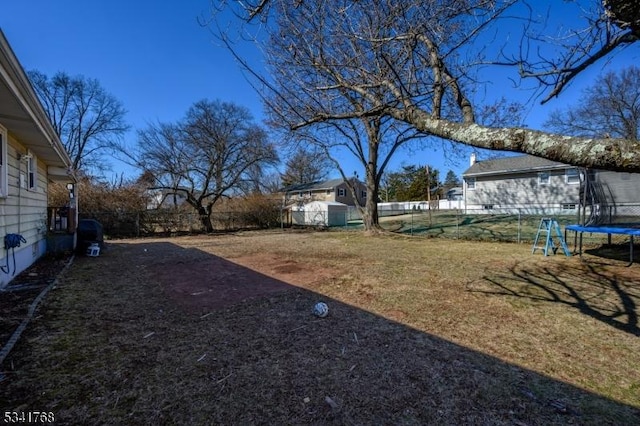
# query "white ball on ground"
(321, 309)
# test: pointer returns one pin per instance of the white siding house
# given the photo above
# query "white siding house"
(334, 190)
(533, 185)
(31, 156)
(523, 183)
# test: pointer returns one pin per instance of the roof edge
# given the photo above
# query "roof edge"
(521, 171)
(29, 99)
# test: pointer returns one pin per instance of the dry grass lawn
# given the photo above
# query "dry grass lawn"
(219, 330)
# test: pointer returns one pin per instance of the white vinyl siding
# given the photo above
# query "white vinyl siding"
(618, 188)
(23, 212)
(3, 163)
(521, 190)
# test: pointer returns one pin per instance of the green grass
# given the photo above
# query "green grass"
(487, 227)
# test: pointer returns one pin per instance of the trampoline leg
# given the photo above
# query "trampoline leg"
(630, 251)
(581, 243)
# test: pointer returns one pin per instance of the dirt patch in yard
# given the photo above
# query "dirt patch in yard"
(200, 282)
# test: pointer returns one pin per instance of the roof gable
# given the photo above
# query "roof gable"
(517, 164)
(317, 186)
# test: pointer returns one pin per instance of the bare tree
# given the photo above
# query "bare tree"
(412, 61)
(207, 156)
(305, 165)
(608, 108)
(608, 26)
(332, 74)
(372, 141)
(87, 119)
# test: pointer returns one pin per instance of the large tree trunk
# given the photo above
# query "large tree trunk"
(370, 218)
(205, 219)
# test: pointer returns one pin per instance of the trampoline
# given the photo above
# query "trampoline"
(610, 229)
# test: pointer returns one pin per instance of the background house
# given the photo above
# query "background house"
(335, 190)
(455, 194)
(611, 197)
(535, 185)
(523, 183)
(330, 202)
(31, 156)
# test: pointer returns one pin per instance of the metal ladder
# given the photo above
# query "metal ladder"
(548, 224)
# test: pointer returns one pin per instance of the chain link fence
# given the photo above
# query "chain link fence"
(508, 225)
(166, 222)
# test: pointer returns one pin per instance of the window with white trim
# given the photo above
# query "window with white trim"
(342, 192)
(471, 183)
(363, 194)
(572, 176)
(4, 164)
(32, 171)
(544, 178)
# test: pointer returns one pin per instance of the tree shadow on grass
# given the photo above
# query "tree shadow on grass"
(590, 288)
(619, 252)
(153, 333)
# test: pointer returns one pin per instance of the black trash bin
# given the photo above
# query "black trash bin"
(89, 232)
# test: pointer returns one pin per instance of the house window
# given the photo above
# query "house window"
(363, 194)
(487, 207)
(568, 207)
(300, 194)
(544, 178)
(342, 192)
(471, 183)
(4, 191)
(572, 176)
(32, 171)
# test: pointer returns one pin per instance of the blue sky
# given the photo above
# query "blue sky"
(158, 60)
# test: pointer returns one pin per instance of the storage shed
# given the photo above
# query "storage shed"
(320, 213)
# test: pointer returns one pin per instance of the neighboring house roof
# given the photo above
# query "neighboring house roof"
(23, 115)
(316, 186)
(509, 165)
